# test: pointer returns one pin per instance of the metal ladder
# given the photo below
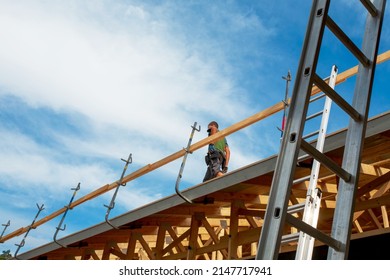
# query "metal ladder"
(276, 214)
(314, 194)
(311, 206)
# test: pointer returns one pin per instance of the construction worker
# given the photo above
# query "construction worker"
(218, 155)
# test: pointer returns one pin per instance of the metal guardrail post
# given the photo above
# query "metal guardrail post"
(58, 228)
(180, 175)
(112, 203)
(22, 243)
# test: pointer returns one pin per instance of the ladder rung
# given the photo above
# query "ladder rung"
(314, 115)
(347, 41)
(313, 232)
(370, 7)
(300, 180)
(311, 134)
(290, 238)
(326, 161)
(304, 157)
(336, 98)
(296, 208)
(317, 97)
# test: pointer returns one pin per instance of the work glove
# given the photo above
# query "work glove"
(225, 169)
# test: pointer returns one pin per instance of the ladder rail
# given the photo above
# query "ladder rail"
(342, 223)
(275, 215)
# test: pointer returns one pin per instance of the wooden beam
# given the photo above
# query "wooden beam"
(131, 246)
(213, 234)
(373, 203)
(249, 198)
(116, 250)
(173, 234)
(146, 247)
(372, 170)
(327, 187)
(176, 242)
(250, 212)
(373, 184)
(200, 245)
(382, 190)
(194, 229)
(234, 217)
(294, 201)
(385, 217)
(160, 240)
(252, 222)
(357, 225)
(370, 233)
(222, 244)
(107, 250)
(374, 218)
(385, 187)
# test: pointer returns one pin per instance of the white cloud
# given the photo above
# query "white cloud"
(36, 165)
(134, 85)
(134, 79)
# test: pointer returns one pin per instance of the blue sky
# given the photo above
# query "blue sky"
(85, 83)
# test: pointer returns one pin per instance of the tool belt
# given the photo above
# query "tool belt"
(213, 156)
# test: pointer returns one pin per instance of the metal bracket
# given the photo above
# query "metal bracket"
(112, 203)
(5, 227)
(40, 208)
(184, 162)
(68, 207)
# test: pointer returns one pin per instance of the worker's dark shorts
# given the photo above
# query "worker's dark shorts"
(214, 165)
